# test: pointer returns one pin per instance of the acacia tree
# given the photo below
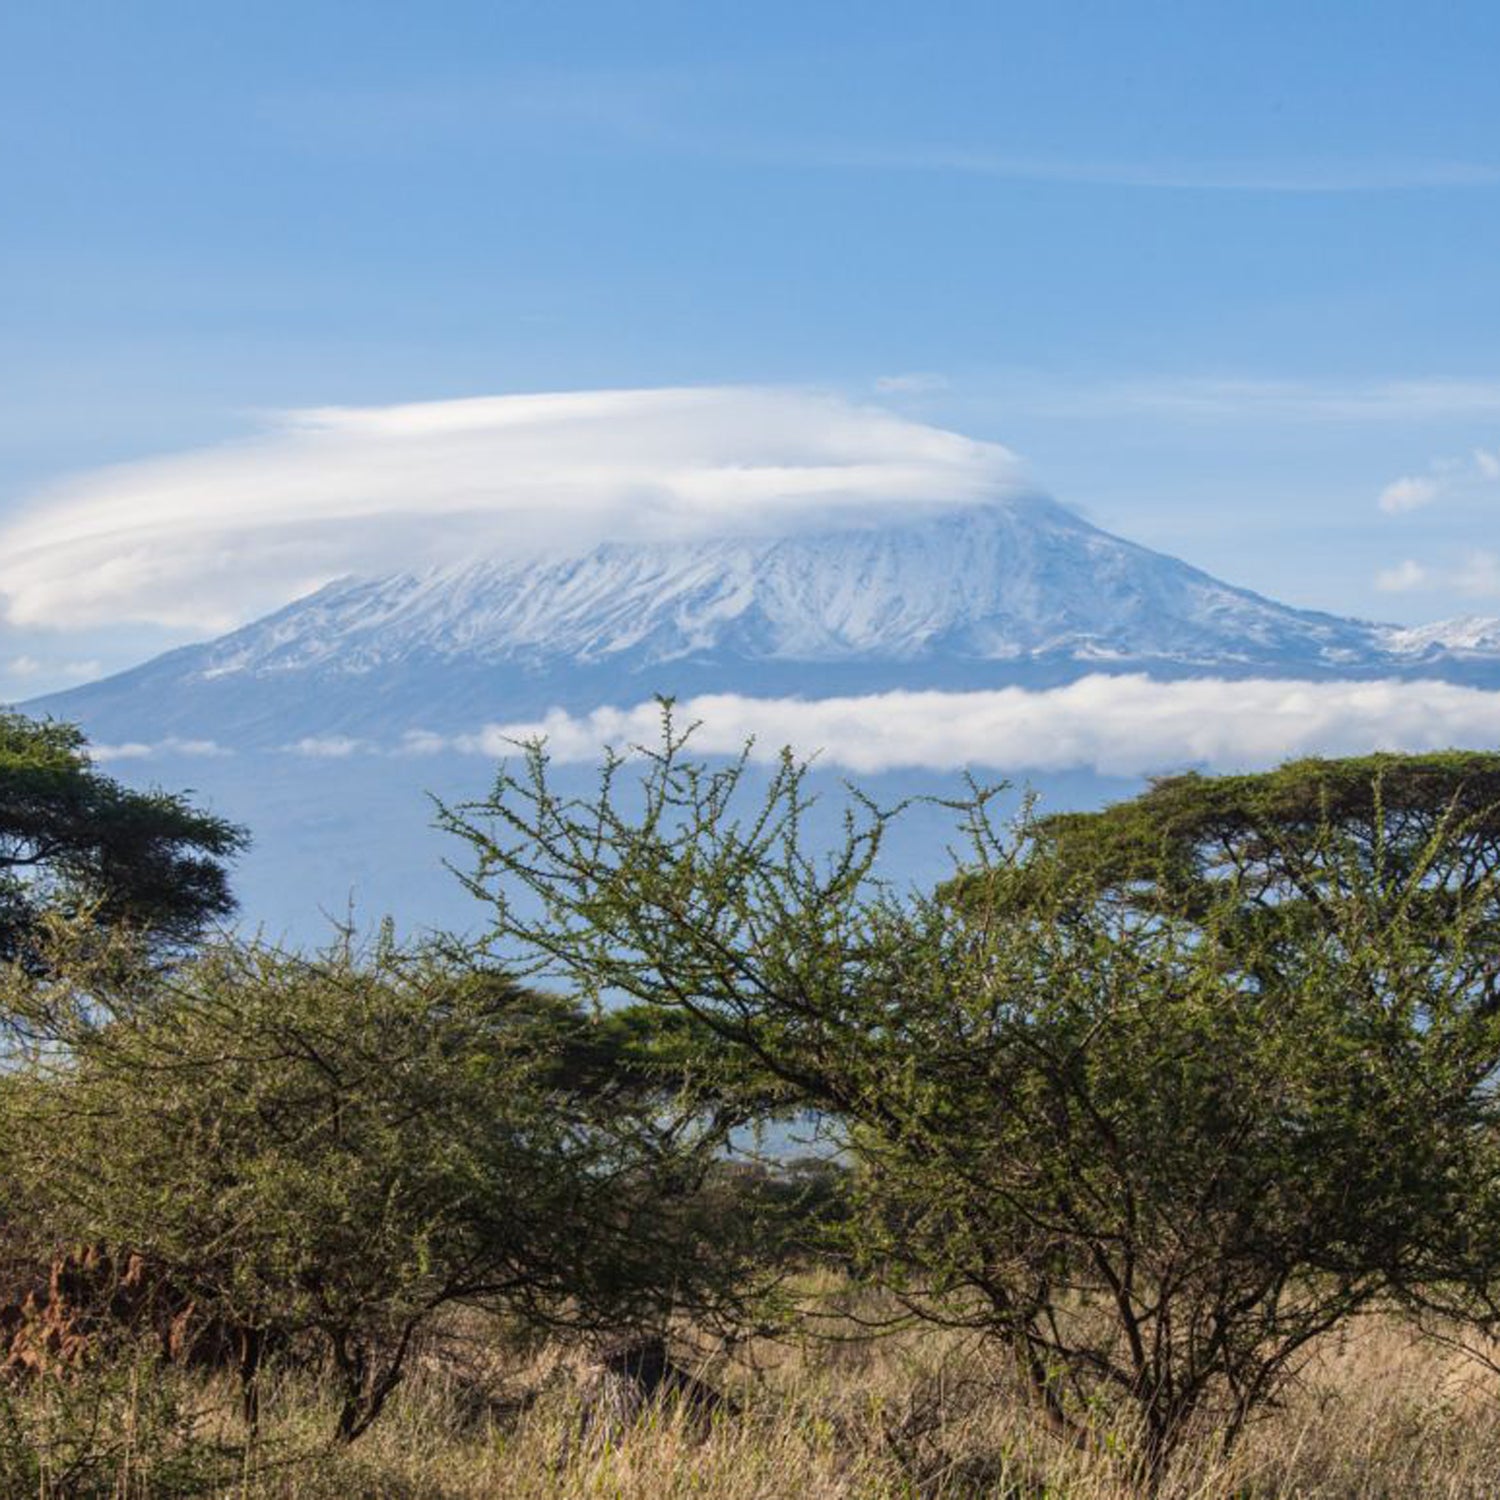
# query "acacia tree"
(333, 1149)
(1310, 845)
(1155, 1148)
(1319, 854)
(74, 839)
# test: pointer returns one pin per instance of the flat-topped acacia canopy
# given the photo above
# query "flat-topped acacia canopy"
(1428, 821)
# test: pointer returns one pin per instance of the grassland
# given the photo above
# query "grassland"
(1379, 1412)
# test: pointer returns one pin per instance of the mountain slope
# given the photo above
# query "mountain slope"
(1466, 637)
(1017, 591)
(1005, 581)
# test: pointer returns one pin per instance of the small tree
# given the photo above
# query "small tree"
(1314, 858)
(336, 1148)
(1091, 1127)
(76, 840)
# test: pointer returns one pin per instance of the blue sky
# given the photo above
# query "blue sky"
(1220, 275)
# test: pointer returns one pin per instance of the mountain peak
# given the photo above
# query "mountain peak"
(1011, 579)
(1015, 591)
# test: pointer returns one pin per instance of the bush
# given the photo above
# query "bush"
(1153, 1143)
(330, 1150)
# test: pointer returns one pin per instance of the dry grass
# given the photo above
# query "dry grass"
(1380, 1413)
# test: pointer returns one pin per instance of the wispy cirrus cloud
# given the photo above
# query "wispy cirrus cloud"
(207, 539)
(911, 383)
(1443, 477)
(1220, 399)
(1226, 176)
(1477, 576)
(601, 107)
(678, 113)
(1404, 578)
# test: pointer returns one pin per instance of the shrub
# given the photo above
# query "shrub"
(1154, 1146)
(329, 1150)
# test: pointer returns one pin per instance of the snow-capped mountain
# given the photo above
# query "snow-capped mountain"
(1003, 582)
(1464, 637)
(1016, 591)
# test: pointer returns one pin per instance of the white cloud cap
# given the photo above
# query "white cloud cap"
(205, 540)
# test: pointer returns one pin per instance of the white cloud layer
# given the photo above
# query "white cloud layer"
(1479, 577)
(1403, 578)
(26, 668)
(1413, 491)
(205, 540)
(1476, 577)
(1120, 726)
(140, 750)
(1410, 492)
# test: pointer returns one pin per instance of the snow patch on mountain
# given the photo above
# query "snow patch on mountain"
(1016, 592)
(1464, 634)
(1001, 582)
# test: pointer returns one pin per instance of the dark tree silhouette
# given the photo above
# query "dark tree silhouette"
(75, 840)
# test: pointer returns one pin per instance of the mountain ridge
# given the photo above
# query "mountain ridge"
(1017, 591)
(1024, 594)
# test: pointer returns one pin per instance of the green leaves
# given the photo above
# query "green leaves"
(1155, 1095)
(333, 1147)
(74, 840)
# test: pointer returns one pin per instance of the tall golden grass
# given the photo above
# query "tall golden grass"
(1379, 1412)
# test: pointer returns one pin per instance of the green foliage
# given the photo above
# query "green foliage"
(334, 1148)
(73, 839)
(1149, 1098)
(1153, 1098)
(1298, 844)
(1393, 859)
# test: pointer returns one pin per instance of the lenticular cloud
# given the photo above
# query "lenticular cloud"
(1116, 726)
(205, 540)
